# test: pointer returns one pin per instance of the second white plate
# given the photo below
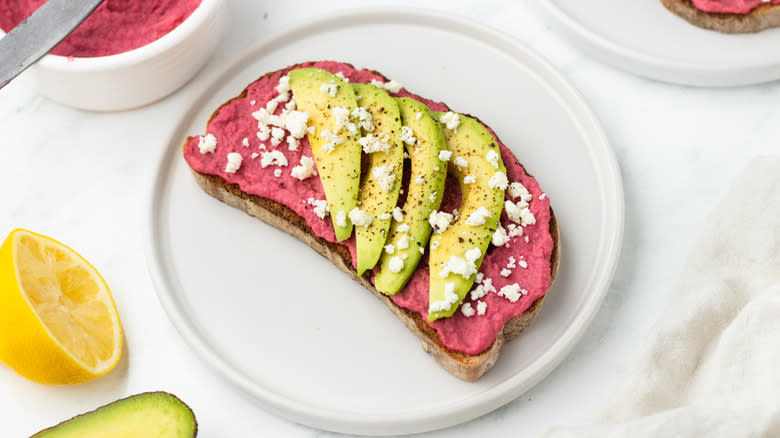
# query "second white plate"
(234, 287)
(642, 37)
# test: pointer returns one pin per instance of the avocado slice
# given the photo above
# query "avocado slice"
(334, 146)
(426, 189)
(378, 193)
(457, 253)
(148, 415)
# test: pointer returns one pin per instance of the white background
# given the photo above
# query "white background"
(84, 179)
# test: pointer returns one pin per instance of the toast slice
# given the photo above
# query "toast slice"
(468, 367)
(763, 17)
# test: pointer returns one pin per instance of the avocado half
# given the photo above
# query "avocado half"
(147, 415)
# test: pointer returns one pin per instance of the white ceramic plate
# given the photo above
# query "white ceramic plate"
(277, 320)
(642, 37)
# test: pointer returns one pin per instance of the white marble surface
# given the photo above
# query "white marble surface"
(84, 179)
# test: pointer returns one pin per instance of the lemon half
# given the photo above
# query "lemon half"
(58, 321)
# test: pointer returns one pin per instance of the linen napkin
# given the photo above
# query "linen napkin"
(711, 365)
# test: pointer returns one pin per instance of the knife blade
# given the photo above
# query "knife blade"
(39, 33)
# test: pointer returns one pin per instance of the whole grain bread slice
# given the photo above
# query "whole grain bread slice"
(763, 17)
(464, 366)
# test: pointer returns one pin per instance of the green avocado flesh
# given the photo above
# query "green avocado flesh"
(338, 165)
(471, 141)
(425, 192)
(148, 415)
(376, 198)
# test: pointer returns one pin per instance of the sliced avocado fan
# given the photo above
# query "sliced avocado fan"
(329, 99)
(457, 253)
(380, 122)
(409, 233)
(147, 415)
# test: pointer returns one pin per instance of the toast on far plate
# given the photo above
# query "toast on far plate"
(425, 207)
(728, 16)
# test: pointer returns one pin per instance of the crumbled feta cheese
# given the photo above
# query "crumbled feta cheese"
(277, 134)
(450, 298)
(384, 216)
(479, 277)
(263, 132)
(523, 264)
(440, 221)
(393, 86)
(390, 248)
(513, 210)
(467, 310)
(372, 143)
(384, 176)
(295, 122)
(469, 179)
(271, 106)
(278, 173)
(396, 264)
(492, 158)
(465, 267)
(331, 140)
(403, 228)
(398, 214)
(514, 230)
(233, 162)
(292, 143)
(404, 256)
(483, 289)
(290, 105)
(511, 292)
(330, 89)
(360, 218)
(245, 142)
(451, 120)
(284, 85)
(542, 196)
(255, 155)
(526, 217)
(461, 163)
(445, 155)
(511, 263)
(419, 179)
(341, 218)
(432, 197)
(273, 158)
(478, 217)
(364, 118)
(418, 116)
(321, 208)
(252, 102)
(341, 114)
(403, 242)
(341, 75)
(500, 237)
(303, 170)
(517, 190)
(498, 181)
(481, 307)
(207, 143)
(506, 272)
(377, 83)
(407, 136)
(262, 115)
(435, 243)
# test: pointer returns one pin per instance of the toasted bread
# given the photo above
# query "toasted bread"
(763, 17)
(465, 366)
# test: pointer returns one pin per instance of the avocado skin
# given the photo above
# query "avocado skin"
(384, 110)
(116, 419)
(472, 141)
(430, 141)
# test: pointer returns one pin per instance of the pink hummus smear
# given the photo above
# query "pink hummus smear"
(731, 6)
(116, 26)
(471, 335)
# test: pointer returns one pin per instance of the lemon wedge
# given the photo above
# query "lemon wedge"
(58, 321)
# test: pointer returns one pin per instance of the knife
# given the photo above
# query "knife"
(39, 33)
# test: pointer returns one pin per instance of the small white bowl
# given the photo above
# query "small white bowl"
(137, 77)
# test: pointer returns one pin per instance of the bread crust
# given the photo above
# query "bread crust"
(464, 366)
(763, 17)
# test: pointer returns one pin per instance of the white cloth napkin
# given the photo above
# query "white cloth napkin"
(711, 366)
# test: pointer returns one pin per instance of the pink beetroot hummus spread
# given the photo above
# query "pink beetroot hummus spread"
(471, 335)
(731, 6)
(116, 26)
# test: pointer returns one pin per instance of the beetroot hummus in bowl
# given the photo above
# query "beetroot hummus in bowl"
(127, 53)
